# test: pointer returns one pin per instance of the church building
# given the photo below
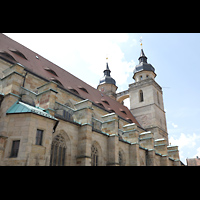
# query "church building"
(49, 117)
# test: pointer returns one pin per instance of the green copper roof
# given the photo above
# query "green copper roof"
(20, 107)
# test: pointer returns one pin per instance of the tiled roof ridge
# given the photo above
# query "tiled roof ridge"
(47, 60)
(34, 66)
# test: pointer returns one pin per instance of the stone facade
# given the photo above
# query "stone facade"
(150, 111)
(117, 141)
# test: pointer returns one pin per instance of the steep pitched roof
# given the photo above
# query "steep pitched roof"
(15, 52)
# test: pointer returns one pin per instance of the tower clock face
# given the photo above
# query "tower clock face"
(102, 89)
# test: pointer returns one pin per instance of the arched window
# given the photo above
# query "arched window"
(141, 97)
(94, 156)
(58, 151)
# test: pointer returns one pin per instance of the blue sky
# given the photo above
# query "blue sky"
(175, 57)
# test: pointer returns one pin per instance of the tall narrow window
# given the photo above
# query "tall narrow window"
(39, 136)
(94, 156)
(120, 159)
(58, 151)
(141, 96)
(15, 148)
(158, 98)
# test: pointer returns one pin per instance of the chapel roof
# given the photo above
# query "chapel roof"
(17, 53)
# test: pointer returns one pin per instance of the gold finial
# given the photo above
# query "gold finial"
(107, 57)
(141, 42)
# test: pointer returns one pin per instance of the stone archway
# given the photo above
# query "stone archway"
(121, 96)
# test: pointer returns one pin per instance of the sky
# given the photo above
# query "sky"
(175, 57)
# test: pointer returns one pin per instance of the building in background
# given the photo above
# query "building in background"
(193, 161)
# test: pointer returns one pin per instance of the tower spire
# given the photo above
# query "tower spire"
(107, 70)
(142, 57)
(107, 84)
(143, 66)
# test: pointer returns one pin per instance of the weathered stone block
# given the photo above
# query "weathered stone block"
(146, 140)
(173, 152)
(160, 146)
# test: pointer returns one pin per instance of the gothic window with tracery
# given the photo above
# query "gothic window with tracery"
(58, 151)
(94, 156)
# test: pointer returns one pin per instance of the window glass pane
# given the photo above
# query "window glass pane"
(58, 151)
(55, 155)
(51, 155)
(15, 148)
(94, 156)
(96, 160)
(59, 155)
(39, 136)
(141, 97)
(63, 156)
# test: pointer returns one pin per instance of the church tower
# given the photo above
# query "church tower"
(146, 99)
(107, 84)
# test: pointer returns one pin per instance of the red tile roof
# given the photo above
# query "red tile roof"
(43, 67)
(193, 161)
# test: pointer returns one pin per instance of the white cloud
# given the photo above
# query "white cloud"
(198, 153)
(184, 140)
(134, 42)
(187, 145)
(94, 48)
(84, 53)
(127, 103)
(174, 125)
